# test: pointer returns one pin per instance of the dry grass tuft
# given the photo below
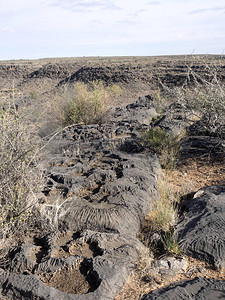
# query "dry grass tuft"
(163, 215)
(84, 103)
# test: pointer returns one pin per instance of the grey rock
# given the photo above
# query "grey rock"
(107, 74)
(203, 127)
(113, 201)
(199, 146)
(100, 185)
(196, 289)
(172, 119)
(139, 113)
(170, 266)
(29, 287)
(201, 232)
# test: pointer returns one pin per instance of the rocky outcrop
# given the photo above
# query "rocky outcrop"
(203, 146)
(108, 75)
(169, 266)
(99, 170)
(100, 186)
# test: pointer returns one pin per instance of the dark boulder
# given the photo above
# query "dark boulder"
(201, 232)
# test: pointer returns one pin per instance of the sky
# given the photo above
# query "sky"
(31, 29)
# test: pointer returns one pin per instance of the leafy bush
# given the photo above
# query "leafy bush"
(19, 181)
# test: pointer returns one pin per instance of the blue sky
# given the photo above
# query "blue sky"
(68, 28)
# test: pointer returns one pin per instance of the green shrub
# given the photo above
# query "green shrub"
(167, 146)
(155, 138)
(170, 244)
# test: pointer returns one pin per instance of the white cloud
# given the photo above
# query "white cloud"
(153, 3)
(204, 10)
(7, 29)
(88, 5)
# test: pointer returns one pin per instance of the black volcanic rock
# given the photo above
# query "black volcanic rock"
(196, 289)
(201, 232)
(100, 171)
(108, 75)
(100, 185)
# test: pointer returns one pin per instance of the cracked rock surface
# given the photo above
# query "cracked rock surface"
(201, 232)
(197, 289)
(100, 186)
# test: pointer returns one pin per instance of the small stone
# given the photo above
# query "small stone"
(170, 266)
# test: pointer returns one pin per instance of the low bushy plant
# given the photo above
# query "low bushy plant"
(160, 101)
(166, 145)
(155, 138)
(202, 97)
(86, 103)
(207, 105)
(18, 178)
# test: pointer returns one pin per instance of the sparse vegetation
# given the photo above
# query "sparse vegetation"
(169, 155)
(18, 179)
(155, 138)
(206, 103)
(202, 97)
(114, 89)
(33, 95)
(145, 260)
(158, 226)
(160, 101)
